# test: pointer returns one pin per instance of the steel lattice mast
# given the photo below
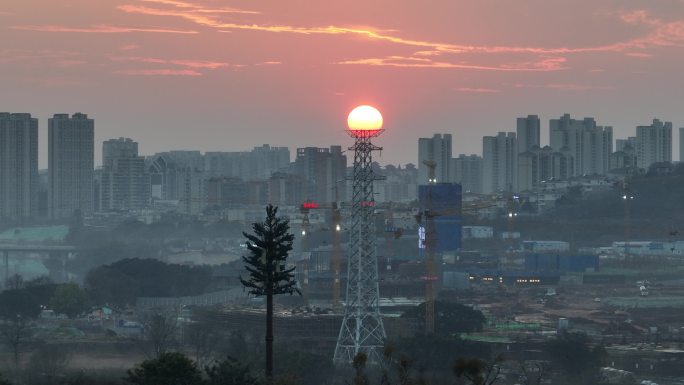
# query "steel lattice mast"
(362, 329)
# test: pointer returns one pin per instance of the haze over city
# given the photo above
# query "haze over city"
(212, 192)
(217, 75)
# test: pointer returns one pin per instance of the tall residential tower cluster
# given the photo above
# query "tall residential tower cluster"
(517, 162)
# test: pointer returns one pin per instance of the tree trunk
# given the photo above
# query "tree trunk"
(269, 338)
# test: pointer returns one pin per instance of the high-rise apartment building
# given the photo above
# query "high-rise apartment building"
(436, 149)
(258, 164)
(622, 144)
(399, 184)
(654, 143)
(18, 166)
(269, 160)
(528, 132)
(124, 182)
(681, 144)
(178, 176)
(541, 164)
(499, 162)
(286, 189)
(324, 171)
(467, 170)
(70, 165)
(590, 145)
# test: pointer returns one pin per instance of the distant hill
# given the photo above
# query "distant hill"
(598, 218)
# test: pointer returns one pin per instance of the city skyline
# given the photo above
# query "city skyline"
(226, 76)
(544, 134)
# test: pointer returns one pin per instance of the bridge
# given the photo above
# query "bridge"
(64, 252)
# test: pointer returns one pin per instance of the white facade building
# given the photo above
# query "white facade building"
(590, 145)
(438, 150)
(499, 162)
(467, 170)
(654, 143)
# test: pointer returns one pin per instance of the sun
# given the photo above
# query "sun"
(364, 118)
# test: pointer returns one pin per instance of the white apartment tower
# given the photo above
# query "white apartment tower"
(540, 164)
(18, 166)
(590, 145)
(499, 162)
(124, 184)
(70, 165)
(438, 150)
(654, 143)
(467, 170)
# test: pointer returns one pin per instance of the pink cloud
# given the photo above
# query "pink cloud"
(158, 72)
(191, 64)
(660, 33)
(547, 64)
(642, 55)
(198, 8)
(129, 47)
(70, 63)
(478, 90)
(564, 86)
(97, 29)
(639, 16)
(57, 82)
(23, 55)
(665, 31)
(200, 64)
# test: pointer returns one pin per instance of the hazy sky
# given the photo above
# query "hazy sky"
(229, 75)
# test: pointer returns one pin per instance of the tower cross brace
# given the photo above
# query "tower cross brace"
(362, 329)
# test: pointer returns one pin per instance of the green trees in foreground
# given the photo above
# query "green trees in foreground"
(266, 264)
(69, 299)
(177, 369)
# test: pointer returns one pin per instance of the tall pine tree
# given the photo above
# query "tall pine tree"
(269, 246)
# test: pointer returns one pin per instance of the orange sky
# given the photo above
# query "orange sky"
(229, 75)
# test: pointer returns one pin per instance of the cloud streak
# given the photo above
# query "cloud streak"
(58, 82)
(664, 33)
(565, 86)
(158, 72)
(24, 55)
(198, 8)
(542, 65)
(98, 29)
(478, 90)
(194, 64)
(429, 53)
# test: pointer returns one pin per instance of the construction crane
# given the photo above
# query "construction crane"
(391, 234)
(428, 216)
(627, 197)
(511, 214)
(336, 260)
(430, 243)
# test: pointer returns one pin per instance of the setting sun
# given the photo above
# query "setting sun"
(364, 118)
